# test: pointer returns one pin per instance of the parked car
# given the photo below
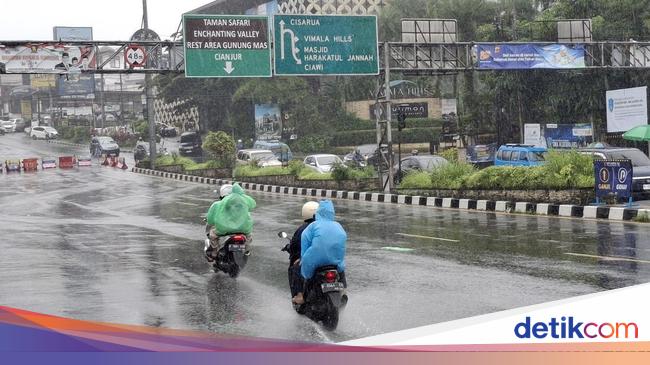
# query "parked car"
(9, 126)
(281, 150)
(103, 146)
(640, 164)
(51, 132)
(265, 158)
(520, 155)
(418, 163)
(165, 130)
(322, 163)
(19, 124)
(191, 144)
(43, 133)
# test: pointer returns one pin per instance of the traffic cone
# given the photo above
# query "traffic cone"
(113, 161)
(124, 167)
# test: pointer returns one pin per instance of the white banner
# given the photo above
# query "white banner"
(533, 135)
(626, 109)
(47, 58)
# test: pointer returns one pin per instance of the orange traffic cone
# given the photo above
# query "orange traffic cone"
(124, 167)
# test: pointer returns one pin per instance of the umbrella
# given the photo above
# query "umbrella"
(640, 133)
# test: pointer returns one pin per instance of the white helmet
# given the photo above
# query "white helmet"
(309, 210)
(225, 190)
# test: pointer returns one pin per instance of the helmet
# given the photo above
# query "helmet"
(309, 209)
(225, 190)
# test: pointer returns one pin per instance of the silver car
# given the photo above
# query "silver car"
(322, 163)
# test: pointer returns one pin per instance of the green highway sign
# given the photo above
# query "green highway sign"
(226, 46)
(325, 45)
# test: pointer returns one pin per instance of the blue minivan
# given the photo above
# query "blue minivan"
(520, 155)
(281, 150)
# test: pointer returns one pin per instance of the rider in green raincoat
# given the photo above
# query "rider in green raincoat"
(231, 215)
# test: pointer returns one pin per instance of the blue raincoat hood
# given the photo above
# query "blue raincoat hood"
(323, 242)
(325, 211)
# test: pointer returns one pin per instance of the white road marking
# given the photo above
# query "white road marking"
(608, 258)
(426, 237)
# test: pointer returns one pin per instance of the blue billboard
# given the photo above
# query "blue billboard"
(76, 86)
(568, 135)
(613, 178)
(530, 56)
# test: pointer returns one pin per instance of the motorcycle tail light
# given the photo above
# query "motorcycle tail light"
(330, 276)
(239, 239)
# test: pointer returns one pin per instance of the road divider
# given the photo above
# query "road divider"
(66, 162)
(12, 166)
(487, 206)
(48, 163)
(30, 164)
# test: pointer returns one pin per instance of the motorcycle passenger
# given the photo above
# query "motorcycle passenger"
(230, 215)
(294, 247)
(322, 243)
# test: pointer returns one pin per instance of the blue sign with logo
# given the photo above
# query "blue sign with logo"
(527, 56)
(613, 178)
(568, 135)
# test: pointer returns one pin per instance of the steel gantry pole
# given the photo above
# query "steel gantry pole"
(389, 116)
(147, 87)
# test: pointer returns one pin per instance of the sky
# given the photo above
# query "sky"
(111, 20)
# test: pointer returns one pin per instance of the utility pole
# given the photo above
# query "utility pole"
(389, 116)
(147, 88)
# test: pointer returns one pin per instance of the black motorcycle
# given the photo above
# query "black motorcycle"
(325, 295)
(232, 256)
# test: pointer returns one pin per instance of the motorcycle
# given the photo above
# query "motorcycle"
(232, 255)
(325, 295)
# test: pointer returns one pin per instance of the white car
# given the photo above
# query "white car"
(9, 126)
(322, 163)
(43, 133)
(51, 132)
(264, 158)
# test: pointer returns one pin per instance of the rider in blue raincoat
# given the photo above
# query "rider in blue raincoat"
(323, 244)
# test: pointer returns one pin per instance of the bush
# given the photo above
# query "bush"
(451, 176)
(450, 154)
(416, 180)
(569, 169)
(562, 170)
(212, 164)
(174, 159)
(354, 138)
(296, 167)
(252, 171)
(341, 172)
(313, 175)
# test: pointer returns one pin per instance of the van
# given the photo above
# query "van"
(281, 150)
(191, 144)
(520, 155)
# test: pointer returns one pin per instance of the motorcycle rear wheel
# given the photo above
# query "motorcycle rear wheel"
(331, 316)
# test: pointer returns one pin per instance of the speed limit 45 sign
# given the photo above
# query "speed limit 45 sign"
(135, 56)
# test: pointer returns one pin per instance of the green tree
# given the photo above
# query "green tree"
(221, 146)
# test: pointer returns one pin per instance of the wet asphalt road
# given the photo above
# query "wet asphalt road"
(109, 245)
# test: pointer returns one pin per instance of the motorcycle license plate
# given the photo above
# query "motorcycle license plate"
(328, 287)
(237, 248)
